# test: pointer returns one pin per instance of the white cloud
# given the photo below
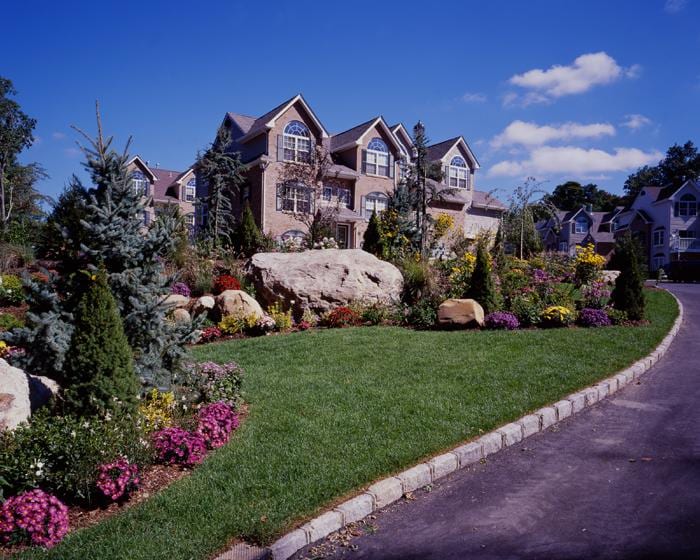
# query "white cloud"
(470, 97)
(551, 160)
(587, 71)
(674, 6)
(72, 152)
(531, 134)
(58, 135)
(635, 121)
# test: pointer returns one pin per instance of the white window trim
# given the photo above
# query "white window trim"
(190, 191)
(376, 154)
(579, 222)
(661, 234)
(297, 195)
(371, 200)
(296, 141)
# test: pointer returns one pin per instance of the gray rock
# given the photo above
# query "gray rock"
(203, 305)
(460, 313)
(324, 279)
(239, 303)
(181, 316)
(15, 406)
(176, 301)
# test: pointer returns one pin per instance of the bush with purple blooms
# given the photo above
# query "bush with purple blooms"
(589, 317)
(180, 289)
(217, 382)
(215, 422)
(118, 479)
(502, 320)
(33, 517)
(176, 446)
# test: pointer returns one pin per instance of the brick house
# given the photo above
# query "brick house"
(567, 229)
(368, 160)
(164, 188)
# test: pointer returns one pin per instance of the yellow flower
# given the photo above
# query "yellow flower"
(157, 411)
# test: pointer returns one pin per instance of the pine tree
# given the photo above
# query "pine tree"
(481, 286)
(114, 239)
(99, 373)
(248, 238)
(372, 239)
(628, 294)
(221, 170)
(498, 250)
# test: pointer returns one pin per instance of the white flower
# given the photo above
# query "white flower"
(73, 434)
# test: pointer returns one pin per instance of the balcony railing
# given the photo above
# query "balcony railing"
(688, 244)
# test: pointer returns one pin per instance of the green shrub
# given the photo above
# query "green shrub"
(99, 369)
(421, 315)
(557, 316)
(562, 294)
(11, 290)
(481, 286)
(418, 280)
(9, 322)
(616, 316)
(628, 295)
(61, 454)
(283, 319)
(527, 308)
(372, 239)
(247, 235)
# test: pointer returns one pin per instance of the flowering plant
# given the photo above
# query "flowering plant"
(11, 290)
(179, 447)
(180, 288)
(588, 317)
(266, 324)
(557, 316)
(209, 334)
(326, 243)
(215, 422)
(595, 295)
(33, 517)
(225, 282)
(282, 319)
(118, 479)
(443, 224)
(157, 410)
(587, 263)
(341, 317)
(502, 320)
(218, 382)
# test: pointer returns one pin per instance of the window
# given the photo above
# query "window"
(686, 234)
(344, 197)
(375, 202)
(297, 142)
(377, 158)
(327, 193)
(658, 236)
(191, 190)
(403, 169)
(659, 261)
(458, 173)
(581, 225)
(294, 198)
(687, 206)
(563, 247)
(139, 183)
(146, 218)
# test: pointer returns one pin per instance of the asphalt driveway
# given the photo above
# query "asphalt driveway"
(619, 480)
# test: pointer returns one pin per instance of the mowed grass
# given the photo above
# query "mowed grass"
(333, 410)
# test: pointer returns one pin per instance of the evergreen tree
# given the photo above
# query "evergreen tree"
(114, 238)
(481, 286)
(372, 239)
(628, 294)
(498, 251)
(221, 170)
(248, 238)
(99, 373)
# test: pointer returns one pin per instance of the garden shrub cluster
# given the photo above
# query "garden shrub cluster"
(11, 290)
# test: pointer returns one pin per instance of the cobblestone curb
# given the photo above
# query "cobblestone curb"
(387, 491)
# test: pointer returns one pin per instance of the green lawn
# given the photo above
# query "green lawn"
(331, 411)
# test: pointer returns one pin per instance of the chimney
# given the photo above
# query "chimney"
(589, 208)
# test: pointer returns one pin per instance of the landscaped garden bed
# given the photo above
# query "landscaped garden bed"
(333, 410)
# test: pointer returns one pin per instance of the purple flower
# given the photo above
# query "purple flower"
(216, 421)
(33, 517)
(178, 446)
(502, 320)
(593, 318)
(181, 289)
(118, 479)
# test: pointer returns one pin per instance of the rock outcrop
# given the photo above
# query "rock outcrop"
(237, 302)
(456, 313)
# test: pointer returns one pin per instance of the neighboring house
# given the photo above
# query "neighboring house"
(566, 230)
(665, 221)
(368, 161)
(164, 188)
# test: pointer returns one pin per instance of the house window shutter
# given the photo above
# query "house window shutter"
(446, 175)
(280, 148)
(362, 206)
(364, 162)
(280, 194)
(676, 209)
(312, 150)
(392, 164)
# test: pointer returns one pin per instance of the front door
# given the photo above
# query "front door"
(343, 236)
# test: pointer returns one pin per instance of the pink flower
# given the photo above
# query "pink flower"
(216, 421)
(33, 517)
(177, 446)
(118, 479)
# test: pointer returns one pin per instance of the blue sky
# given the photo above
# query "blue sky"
(584, 90)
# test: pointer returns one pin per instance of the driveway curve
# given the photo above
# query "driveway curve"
(619, 480)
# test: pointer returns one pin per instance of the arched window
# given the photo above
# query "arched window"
(297, 142)
(293, 238)
(377, 158)
(687, 206)
(458, 172)
(191, 190)
(659, 234)
(581, 225)
(139, 183)
(375, 202)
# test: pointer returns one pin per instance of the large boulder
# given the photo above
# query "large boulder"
(203, 305)
(176, 301)
(237, 302)
(181, 316)
(324, 279)
(457, 313)
(21, 394)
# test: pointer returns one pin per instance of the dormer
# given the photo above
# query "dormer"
(457, 160)
(141, 176)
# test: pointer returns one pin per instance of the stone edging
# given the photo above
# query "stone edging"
(386, 491)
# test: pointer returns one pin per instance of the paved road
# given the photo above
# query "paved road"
(619, 480)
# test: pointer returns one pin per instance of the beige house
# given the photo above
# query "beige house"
(368, 161)
(163, 188)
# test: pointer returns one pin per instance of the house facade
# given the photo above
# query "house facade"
(367, 163)
(164, 188)
(566, 230)
(665, 221)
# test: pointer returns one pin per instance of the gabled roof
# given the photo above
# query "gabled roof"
(438, 151)
(355, 135)
(448, 194)
(143, 165)
(165, 180)
(403, 137)
(267, 121)
(669, 190)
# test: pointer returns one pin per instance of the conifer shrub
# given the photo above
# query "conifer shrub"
(99, 371)
(628, 294)
(481, 286)
(372, 239)
(248, 239)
